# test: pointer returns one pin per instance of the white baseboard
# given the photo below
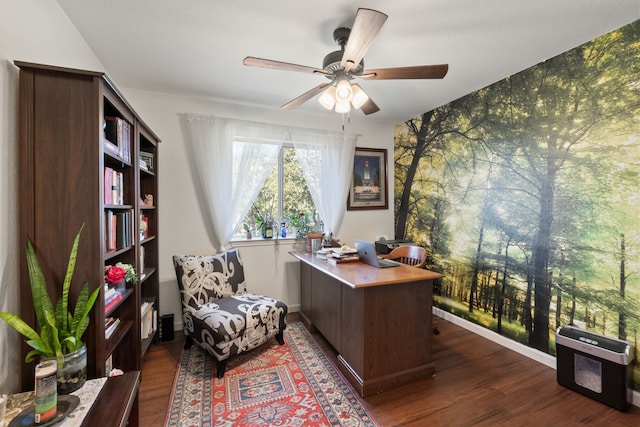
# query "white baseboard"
(537, 355)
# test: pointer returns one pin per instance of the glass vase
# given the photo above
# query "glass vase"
(73, 373)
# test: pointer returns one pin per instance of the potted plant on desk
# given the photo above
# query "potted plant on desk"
(61, 331)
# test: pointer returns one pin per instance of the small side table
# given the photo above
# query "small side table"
(116, 404)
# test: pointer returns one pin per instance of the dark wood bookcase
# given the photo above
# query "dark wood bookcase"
(63, 155)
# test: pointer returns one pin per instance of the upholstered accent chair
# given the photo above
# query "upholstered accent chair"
(218, 312)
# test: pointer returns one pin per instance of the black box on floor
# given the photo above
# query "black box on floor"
(595, 365)
(166, 327)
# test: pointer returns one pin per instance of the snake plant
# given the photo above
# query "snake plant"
(60, 331)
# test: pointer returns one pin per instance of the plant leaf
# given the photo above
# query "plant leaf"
(19, 325)
(41, 299)
(66, 286)
(83, 319)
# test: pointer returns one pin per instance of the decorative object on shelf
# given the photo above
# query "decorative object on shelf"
(148, 199)
(369, 183)
(144, 227)
(115, 274)
(247, 230)
(60, 331)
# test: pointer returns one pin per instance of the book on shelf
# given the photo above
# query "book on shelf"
(111, 294)
(111, 324)
(113, 186)
(110, 232)
(146, 159)
(108, 185)
(111, 148)
(118, 132)
(154, 321)
(147, 320)
(141, 262)
(118, 229)
(113, 302)
(144, 307)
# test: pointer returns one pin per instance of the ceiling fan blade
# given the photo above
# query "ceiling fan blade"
(252, 61)
(295, 103)
(365, 27)
(418, 72)
(369, 107)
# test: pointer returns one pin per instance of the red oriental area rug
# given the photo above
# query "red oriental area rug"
(290, 385)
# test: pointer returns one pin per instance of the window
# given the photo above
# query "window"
(285, 193)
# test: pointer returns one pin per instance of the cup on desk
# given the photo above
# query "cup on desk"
(316, 245)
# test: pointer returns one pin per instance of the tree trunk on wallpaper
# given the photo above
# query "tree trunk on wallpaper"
(420, 131)
(622, 322)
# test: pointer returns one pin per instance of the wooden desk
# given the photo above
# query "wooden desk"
(115, 406)
(117, 403)
(377, 319)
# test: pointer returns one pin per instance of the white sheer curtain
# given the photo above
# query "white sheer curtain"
(326, 160)
(231, 160)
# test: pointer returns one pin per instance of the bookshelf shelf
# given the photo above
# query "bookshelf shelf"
(80, 145)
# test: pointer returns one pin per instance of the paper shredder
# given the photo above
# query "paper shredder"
(595, 365)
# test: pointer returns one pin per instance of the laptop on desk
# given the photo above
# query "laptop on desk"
(367, 254)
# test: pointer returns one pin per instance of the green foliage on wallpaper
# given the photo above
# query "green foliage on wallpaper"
(526, 194)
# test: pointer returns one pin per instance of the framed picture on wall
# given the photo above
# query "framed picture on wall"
(369, 181)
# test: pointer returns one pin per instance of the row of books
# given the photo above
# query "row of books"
(338, 255)
(148, 320)
(112, 296)
(117, 133)
(110, 326)
(118, 229)
(146, 161)
(113, 186)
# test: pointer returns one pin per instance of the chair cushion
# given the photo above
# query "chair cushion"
(203, 279)
(256, 316)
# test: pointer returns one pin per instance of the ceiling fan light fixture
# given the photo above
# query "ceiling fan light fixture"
(344, 91)
(328, 98)
(359, 96)
(343, 107)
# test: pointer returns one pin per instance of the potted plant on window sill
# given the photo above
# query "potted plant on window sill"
(247, 231)
(61, 331)
(296, 220)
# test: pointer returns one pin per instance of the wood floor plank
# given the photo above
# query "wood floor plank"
(477, 382)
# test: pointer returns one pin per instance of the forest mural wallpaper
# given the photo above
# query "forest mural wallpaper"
(526, 194)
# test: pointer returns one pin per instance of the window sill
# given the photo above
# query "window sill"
(259, 241)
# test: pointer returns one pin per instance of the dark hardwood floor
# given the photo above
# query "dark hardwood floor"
(477, 382)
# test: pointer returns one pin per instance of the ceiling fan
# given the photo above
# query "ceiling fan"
(346, 64)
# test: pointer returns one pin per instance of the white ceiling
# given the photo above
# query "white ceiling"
(196, 47)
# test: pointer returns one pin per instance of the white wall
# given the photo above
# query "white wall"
(269, 268)
(33, 31)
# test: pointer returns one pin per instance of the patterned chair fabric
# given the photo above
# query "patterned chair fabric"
(218, 313)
